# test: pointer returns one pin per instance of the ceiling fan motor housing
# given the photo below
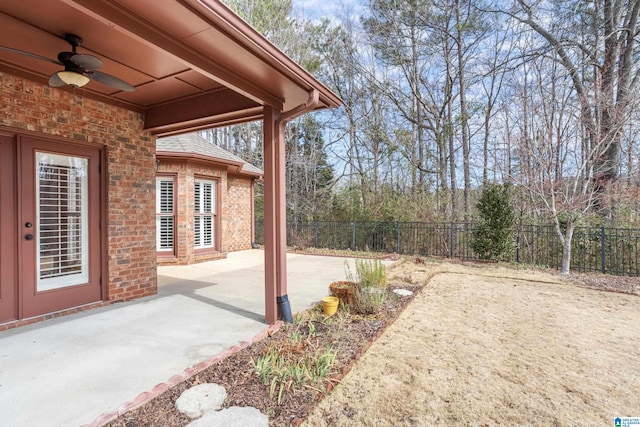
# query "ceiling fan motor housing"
(65, 58)
(73, 40)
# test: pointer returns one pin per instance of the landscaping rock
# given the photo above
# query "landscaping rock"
(403, 292)
(234, 416)
(200, 399)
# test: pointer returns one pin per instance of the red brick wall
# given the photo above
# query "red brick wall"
(238, 214)
(130, 168)
(234, 210)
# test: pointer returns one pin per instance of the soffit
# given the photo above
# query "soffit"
(194, 63)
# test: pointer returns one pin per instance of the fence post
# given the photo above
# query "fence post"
(315, 237)
(451, 241)
(398, 237)
(353, 235)
(518, 246)
(602, 250)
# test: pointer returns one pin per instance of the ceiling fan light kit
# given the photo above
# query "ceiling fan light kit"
(79, 68)
(72, 78)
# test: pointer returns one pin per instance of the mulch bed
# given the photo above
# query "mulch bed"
(605, 282)
(349, 335)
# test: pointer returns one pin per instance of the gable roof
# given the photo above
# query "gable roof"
(193, 146)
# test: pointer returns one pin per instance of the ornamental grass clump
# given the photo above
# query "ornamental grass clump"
(287, 365)
(371, 285)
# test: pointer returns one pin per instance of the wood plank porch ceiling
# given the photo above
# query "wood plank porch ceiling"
(194, 63)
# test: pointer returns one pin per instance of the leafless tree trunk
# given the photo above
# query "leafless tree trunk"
(605, 96)
(559, 167)
(464, 112)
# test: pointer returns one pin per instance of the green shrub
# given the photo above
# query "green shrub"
(493, 236)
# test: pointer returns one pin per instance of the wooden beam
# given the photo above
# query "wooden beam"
(220, 105)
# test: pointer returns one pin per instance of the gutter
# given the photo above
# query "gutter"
(249, 37)
(311, 104)
(231, 166)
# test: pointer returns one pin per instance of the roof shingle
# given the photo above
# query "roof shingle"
(193, 143)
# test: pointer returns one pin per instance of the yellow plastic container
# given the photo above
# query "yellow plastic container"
(330, 305)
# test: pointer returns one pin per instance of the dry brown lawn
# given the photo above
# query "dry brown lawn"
(488, 346)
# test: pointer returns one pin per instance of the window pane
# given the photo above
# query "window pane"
(197, 197)
(197, 231)
(165, 232)
(166, 196)
(204, 214)
(62, 205)
(204, 197)
(207, 203)
(164, 214)
(207, 232)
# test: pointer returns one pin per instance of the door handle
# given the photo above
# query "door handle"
(28, 237)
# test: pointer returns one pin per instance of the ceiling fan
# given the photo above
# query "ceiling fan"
(79, 68)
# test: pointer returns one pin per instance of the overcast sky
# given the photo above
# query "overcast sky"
(317, 9)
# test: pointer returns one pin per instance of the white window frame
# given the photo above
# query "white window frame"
(204, 214)
(165, 213)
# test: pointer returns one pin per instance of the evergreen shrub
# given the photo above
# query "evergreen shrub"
(493, 236)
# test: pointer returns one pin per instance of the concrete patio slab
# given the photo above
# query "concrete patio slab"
(69, 371)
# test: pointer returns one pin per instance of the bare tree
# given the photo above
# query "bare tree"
(494, 57)
(556, 167)
(601, 65)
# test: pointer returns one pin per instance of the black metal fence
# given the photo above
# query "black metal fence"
(606, 250)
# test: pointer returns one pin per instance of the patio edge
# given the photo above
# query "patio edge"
(160, 388)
